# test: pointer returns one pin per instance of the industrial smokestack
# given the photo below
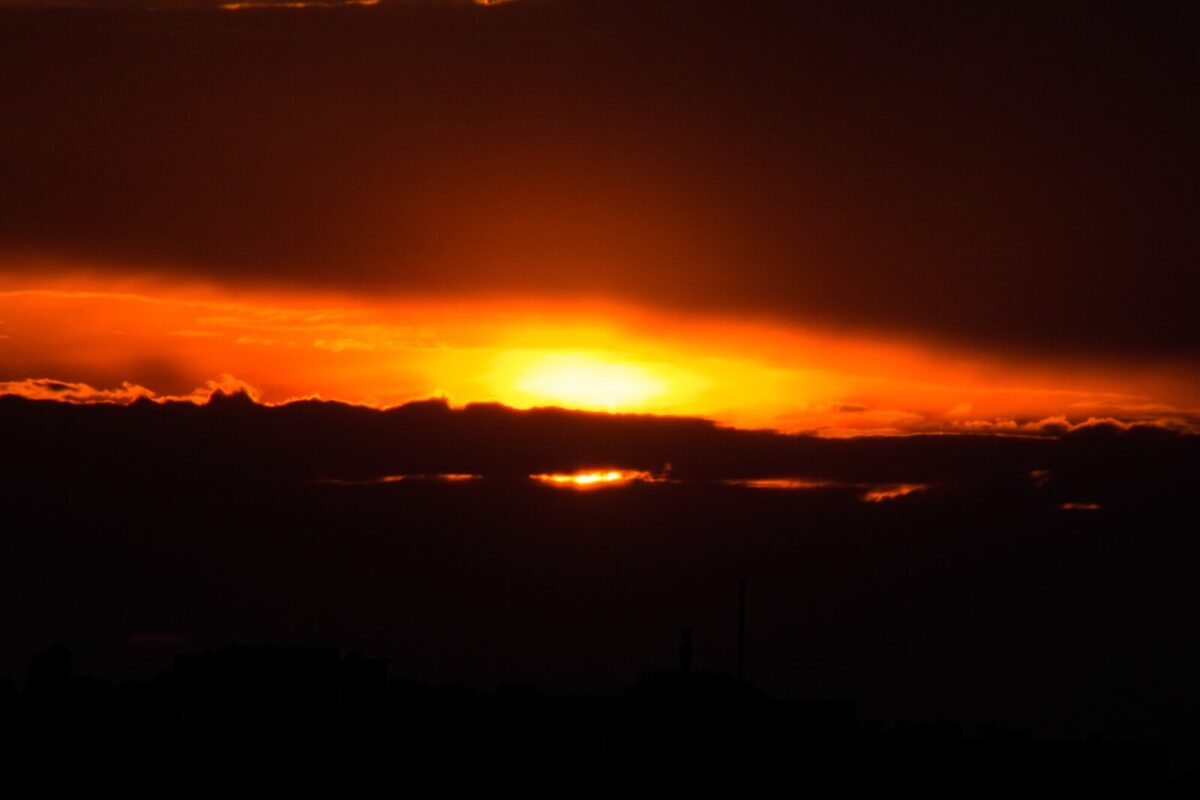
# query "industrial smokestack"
(741, 630)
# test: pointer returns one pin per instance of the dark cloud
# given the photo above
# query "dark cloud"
(1021, 177)
(231, 435)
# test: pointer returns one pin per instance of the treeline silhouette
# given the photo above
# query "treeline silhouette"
(303, 721)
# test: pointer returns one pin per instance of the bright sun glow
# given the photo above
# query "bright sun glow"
(587, 380)
(592, 479)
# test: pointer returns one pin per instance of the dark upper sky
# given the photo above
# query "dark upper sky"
(1017, 177)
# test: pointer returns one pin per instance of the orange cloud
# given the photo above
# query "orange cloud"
(892, 491)
(75, 392)
(71, 392)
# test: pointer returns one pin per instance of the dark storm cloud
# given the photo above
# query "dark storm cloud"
(1018, 177)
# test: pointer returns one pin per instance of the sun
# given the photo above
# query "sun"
(582, 379)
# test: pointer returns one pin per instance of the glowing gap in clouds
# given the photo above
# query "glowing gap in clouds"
(892, 491)
(435, 477)
(874, 493)
(786, 484)
(592, 479)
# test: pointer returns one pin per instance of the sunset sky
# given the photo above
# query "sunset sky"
(518, 345)
(945, 218)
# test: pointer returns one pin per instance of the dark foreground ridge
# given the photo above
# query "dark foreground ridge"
(301, 721)
(1041, 585)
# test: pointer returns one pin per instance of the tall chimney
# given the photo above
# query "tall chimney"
(741, 633)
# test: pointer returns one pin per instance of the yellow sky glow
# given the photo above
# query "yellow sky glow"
(599, 381)
(530, 352)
